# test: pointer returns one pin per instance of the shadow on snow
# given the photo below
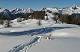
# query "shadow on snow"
(34, 31)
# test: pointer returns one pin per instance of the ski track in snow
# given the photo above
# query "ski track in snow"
(21, 46)
(32, 31)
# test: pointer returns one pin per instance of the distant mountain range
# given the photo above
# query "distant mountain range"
(17, 10)
(6, 13)
(67, 10)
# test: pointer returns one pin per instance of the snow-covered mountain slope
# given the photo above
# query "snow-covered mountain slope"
(29, 10)
(20, 10)
(6, 14)
(17, 10)
(49, 12)
(66, 10)
(12, 14)
(4, 11)
(71, 10)
(53, 10)
(1, 10)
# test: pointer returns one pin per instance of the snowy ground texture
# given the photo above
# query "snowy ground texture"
(28, 36)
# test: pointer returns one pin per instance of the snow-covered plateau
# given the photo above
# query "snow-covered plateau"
(28, 36)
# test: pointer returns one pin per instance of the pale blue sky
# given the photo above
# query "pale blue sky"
(37, 3)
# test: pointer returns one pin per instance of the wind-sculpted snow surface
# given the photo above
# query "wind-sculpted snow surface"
(22, 46)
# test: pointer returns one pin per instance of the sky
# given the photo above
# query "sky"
(35, 4)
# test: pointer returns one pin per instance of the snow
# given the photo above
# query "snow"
(66, 10)
(72, 32)
(70, 10)
(1, 10)
(7, 42)
(23, 45)
(50, 16)
(32, 24)
(65, 40)
(52, 9)
(21, 10)
(29, 35)
(20, 34)
(57, 45)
